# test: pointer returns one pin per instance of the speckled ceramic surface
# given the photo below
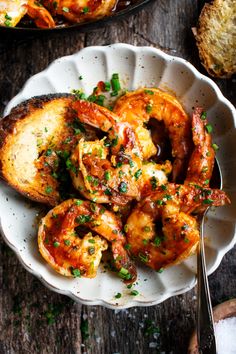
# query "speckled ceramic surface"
(137, 66)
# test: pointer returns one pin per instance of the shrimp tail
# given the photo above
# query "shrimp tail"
(40, 14)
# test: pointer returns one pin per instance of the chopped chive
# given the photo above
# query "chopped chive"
(91, 250)
(67, 242)
(78, 202)
(107, 86)
(149, 92)
(48, 189)
(160, 270)
(118, 296)
(65, 9)
(134, 293)
(76, 273)
(143, 257)
(127, 246)
(56, 244)
(85, 10)
(203, 115)
(138, 174)
(148, 108)
(107, 175)
(115, 83)
(208, 201)
(209, 128)
(215, 147)
(123, 187)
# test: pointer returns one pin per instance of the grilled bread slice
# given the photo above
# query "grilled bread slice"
(216, 38)
(33, 139)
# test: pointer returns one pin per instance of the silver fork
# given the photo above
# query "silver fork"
(205, 321)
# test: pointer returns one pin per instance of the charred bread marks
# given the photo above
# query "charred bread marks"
(26, 135)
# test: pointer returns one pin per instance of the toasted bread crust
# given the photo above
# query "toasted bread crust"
(216, 38)
(25, 134)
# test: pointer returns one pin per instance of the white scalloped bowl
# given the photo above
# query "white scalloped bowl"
(137, 66)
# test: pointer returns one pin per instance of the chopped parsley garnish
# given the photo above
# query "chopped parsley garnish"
(203, 115)
(148, 108)
(124, 274)
(123, 187)
(138, 174)
(134, 293)
(118, 296)
(107, 191)
(149, 92)
(56, 244)
(209, 128)
(107, 175)
(91, 250)
(85, 10)
(153, 182)
(82, 219)
(215, 147)
(143, 257)
(157, 241)
(127, 246)
(78, 202)
(76, 273)
(48, 189)
(115, 83)
(208, 201)
(67, 242)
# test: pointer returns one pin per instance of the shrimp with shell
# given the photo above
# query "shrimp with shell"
(112, 170)
(139, 106)
(70, 255)
(172, 204)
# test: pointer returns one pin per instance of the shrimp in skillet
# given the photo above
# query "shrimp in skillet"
(62, 248)
(84, 10)
(139, 106)
(40, 14)
(172, 204)
(11, 12)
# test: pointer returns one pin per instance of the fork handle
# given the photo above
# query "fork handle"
(205, 323)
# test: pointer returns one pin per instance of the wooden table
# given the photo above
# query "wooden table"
(36, 320)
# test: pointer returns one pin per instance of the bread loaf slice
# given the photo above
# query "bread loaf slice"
(30, 138)
(216, 38)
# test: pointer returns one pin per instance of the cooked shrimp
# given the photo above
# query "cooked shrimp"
(40, 15)
(11, 12)
(172, 204)
(119, 178)
(139, 106)
(98, 180)
(203, 156)
(61, 247)
(81, 10)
